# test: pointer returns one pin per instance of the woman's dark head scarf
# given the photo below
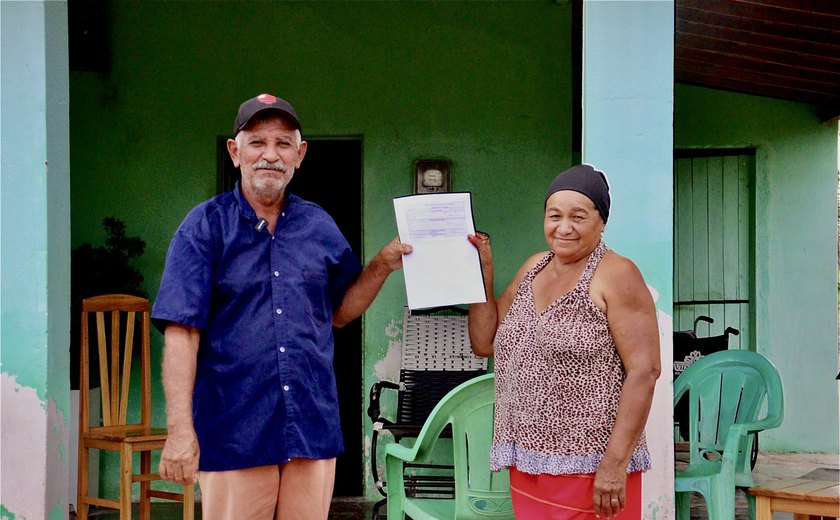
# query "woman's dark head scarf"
(584, 179)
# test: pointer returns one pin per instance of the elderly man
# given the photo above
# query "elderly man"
(255, 279)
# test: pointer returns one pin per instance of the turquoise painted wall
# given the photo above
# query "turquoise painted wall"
(35, 266)
(628, 113)
(484, 84)
(796, 246)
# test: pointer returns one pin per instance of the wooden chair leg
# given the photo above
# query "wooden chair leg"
(82, 483)
(126, 461)
(762, 509)
(189, 502)
(145, 500)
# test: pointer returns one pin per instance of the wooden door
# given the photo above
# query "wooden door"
(714, 241)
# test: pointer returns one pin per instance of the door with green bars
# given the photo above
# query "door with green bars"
(714, 242)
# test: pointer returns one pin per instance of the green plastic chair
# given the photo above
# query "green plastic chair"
(479, 493)
(727, 391)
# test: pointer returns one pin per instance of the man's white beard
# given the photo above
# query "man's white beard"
(269, 191)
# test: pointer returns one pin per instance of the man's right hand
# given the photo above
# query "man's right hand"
(179, 458)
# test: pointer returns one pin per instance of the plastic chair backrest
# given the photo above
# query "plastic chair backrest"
(479, 492)
(111, 323)
(726, 392)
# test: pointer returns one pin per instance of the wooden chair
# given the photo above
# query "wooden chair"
(115, 433)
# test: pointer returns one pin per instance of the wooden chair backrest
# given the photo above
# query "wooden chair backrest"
(116, 319)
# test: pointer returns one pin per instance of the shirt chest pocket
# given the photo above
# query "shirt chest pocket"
(242, 277)
(315, 292)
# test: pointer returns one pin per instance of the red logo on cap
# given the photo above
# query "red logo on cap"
(268, 99)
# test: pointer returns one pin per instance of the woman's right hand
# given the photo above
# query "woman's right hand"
(481, 241)
(483, 317)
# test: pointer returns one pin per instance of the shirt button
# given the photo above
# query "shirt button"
(282, 349)
(282, 213)
(279, 311)
(276, 273)
(285, 388)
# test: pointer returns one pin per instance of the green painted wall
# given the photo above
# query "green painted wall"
(484, 84)
(796, 246)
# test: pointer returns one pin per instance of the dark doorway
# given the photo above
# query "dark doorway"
(331, 176)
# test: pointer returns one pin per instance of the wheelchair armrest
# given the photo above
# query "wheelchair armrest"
(375, 390)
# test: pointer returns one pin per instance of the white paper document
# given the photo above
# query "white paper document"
(444, 268)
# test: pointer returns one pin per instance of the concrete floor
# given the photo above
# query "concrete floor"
(769, 466)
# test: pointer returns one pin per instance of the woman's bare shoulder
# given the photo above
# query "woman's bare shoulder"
(617, 273)
(613, 264)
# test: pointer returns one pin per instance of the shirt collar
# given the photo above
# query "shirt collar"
(248, 212)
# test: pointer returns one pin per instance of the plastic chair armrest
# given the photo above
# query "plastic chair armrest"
(733, 437)
(401, 452)
(768, 423)
(739, 431)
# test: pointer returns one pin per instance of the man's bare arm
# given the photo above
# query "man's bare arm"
(179, 458)
(364, 289)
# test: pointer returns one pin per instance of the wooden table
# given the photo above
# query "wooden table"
(807, 499)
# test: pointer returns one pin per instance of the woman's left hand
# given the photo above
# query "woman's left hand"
(608, 496)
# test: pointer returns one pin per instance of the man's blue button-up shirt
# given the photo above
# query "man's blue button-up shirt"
(265, 388)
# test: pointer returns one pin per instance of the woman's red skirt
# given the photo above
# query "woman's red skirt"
(566, 497)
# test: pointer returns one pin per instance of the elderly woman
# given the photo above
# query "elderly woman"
(576, 349)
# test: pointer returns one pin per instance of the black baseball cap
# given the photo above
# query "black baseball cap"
(261, 103)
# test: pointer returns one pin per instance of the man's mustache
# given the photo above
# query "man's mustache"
(280, 166)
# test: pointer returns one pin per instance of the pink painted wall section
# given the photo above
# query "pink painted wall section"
(34, 453)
